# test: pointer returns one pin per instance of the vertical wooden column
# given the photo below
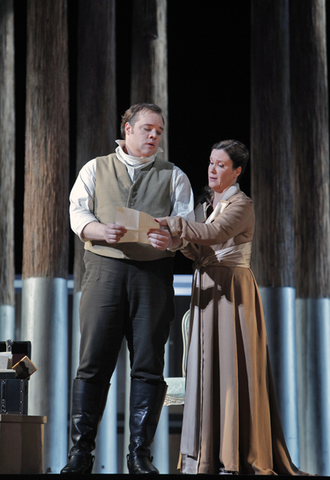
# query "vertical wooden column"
(46, 226)
(273, 246)
(149, 58)
(7, 170)
(310, 155)
(96, 135)
(149, 84)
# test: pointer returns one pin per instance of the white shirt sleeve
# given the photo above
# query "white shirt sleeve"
(182, 197)
(82, 197)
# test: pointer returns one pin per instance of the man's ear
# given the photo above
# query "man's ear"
(128, 128)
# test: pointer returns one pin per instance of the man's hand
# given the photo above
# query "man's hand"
(111, 232)
(160, 239)
(175, 242)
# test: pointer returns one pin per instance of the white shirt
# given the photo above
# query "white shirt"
(82, 193)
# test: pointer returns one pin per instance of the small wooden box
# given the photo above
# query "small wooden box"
(21, 444)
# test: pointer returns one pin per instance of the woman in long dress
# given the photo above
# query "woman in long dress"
(231, 422)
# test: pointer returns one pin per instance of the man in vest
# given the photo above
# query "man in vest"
(127, 290)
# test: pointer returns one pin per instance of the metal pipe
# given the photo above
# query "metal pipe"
(313, 347)
(160, 447)
(7, 322)
(106, 440)
(279, 311)
(45, 324)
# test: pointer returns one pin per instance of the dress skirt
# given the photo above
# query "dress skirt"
(231, 419)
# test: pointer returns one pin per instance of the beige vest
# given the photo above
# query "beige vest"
(150, 193)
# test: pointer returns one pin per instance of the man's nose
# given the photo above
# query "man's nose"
(153, 133)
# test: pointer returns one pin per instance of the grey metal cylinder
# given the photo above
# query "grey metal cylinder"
(127, 410)
(7, 322)
(45, 324)
(106, 440)
(313, 348)
(279, 310)
(75, 342)
(160, 447)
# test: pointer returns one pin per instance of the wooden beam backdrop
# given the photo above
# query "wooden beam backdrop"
(97, 125)
(7, 170)
(46, 226)
(149, 84)
(149, 58)
(271, 190)
(310, 157)
(96, 92)
(271, 184)
(46, 229)
(46, 235)
(310, 147)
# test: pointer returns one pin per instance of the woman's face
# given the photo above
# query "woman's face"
(221, 173)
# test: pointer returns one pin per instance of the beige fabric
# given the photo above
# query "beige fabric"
(231, 418)
(150, 193)
(235, 256)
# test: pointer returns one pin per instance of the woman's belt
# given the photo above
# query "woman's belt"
(235, 256)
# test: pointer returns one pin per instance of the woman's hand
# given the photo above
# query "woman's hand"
(162, 221)
(159, 238)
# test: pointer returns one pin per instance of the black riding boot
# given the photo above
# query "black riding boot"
(88, 403)
(146, 405)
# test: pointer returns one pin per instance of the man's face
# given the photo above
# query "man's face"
(143, 139)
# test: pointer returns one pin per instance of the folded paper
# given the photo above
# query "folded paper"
(136, 223)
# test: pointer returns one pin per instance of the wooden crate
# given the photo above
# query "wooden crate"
(21, 444)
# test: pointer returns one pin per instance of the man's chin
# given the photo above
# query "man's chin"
(149, 153)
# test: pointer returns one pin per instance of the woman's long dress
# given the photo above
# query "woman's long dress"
(231, 419)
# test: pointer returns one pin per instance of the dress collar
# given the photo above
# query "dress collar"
(221, 205)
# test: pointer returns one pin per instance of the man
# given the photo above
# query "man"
(127, 289)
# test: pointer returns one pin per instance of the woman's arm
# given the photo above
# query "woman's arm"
(236, 218)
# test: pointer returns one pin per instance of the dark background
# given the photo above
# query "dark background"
(208, 88)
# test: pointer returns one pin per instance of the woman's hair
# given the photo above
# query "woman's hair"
(236, 151)
(238, 154)
(132, 115)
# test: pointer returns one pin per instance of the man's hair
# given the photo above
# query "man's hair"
(132, 115)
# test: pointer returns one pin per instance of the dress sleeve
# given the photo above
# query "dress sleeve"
(235, 219)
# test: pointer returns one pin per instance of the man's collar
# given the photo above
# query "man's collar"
(130, 159)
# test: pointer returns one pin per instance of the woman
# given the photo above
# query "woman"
(231, 422)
